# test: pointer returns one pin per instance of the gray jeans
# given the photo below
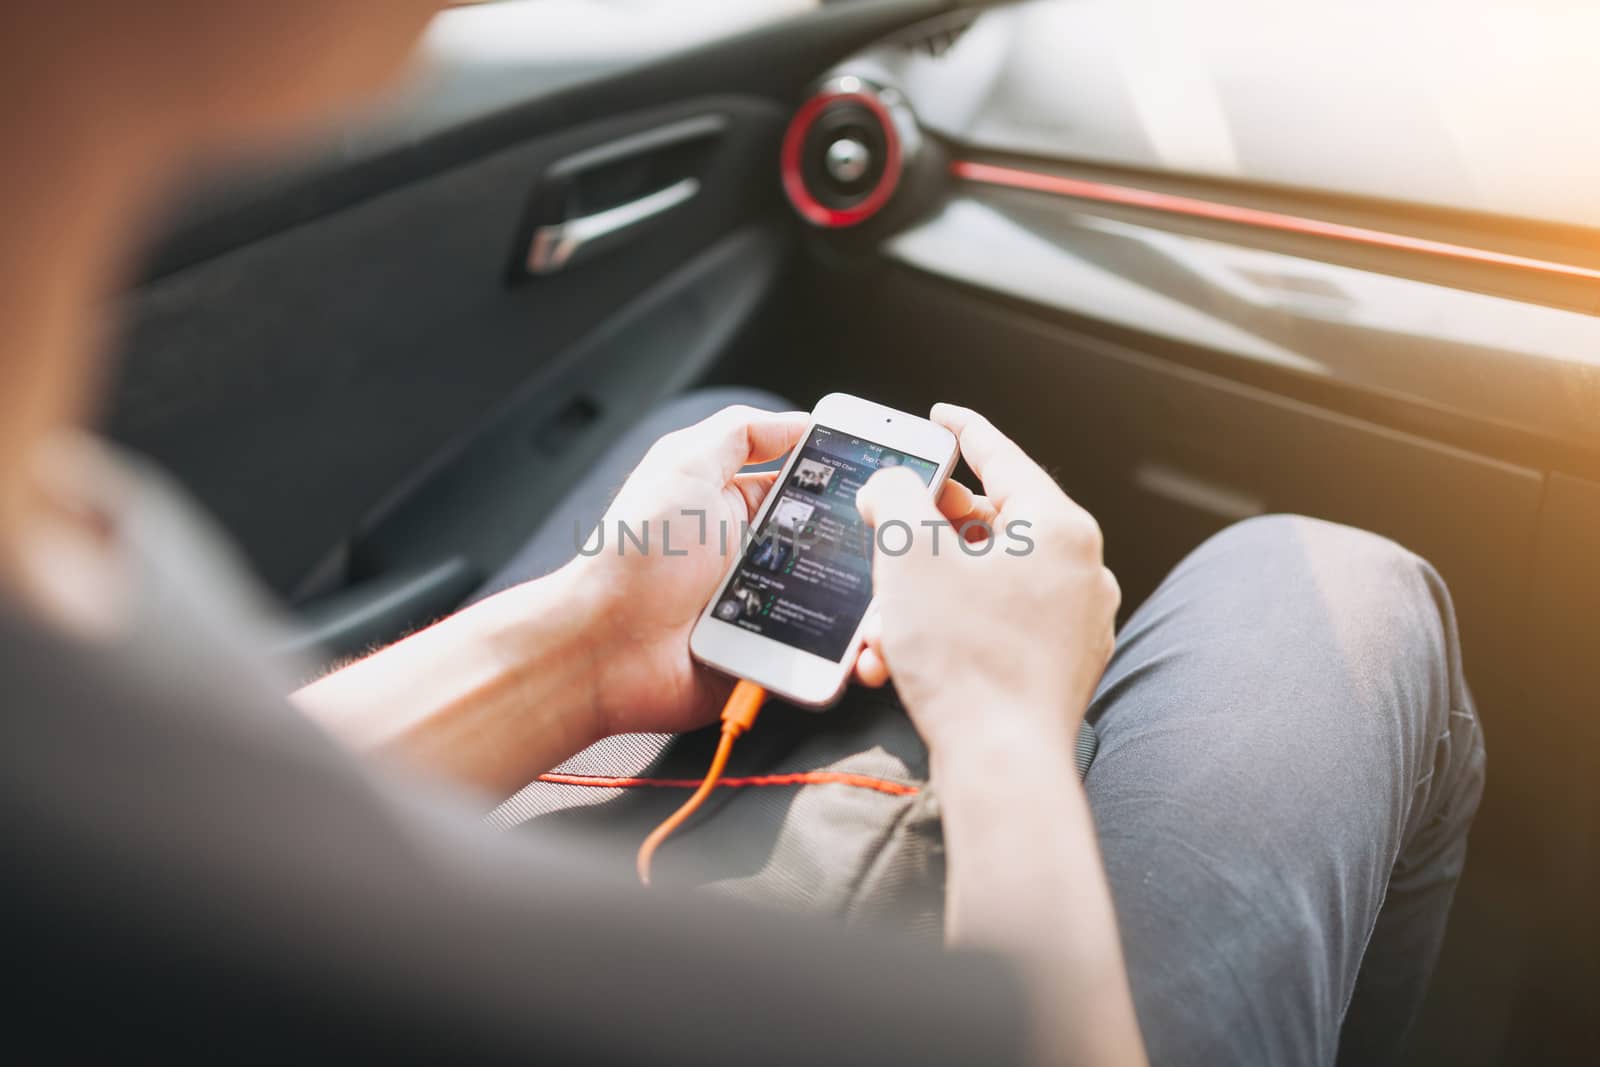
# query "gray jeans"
(1289, 763)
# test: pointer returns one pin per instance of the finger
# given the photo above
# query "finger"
(974, 530)
(896, 495)
(741, 435)
(1005, 469)
(967, 510)
(955, 499)
(754, 487)
(872, 628)
(871, 670)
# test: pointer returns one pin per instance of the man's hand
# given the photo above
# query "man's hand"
(996, 657)
(688, 503)
(1011, 632)
(514, 684)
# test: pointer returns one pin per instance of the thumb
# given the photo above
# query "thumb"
(896, 495)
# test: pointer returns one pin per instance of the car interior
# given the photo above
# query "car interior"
(1205, 262)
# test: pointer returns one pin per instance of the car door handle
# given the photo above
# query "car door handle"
(557, 245)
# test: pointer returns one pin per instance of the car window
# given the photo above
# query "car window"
(522, 31)
(489, 54)
(1483, 105)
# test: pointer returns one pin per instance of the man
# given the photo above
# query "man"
(1289, 764)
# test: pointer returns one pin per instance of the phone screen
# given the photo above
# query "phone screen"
(805, 578)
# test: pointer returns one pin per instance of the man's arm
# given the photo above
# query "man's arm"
(490, 697)
(996, 656)
(503, 691)
(1025, 879)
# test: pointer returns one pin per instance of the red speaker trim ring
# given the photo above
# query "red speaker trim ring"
(794, 139)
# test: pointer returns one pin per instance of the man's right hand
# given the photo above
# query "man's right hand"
(996, 657)
(1010, 641)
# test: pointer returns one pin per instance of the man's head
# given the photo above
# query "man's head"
(103, 102)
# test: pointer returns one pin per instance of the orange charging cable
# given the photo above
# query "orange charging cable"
(738, 715)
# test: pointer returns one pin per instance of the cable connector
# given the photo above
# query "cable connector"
(738, 716)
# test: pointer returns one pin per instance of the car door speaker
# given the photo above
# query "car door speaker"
(852, 151)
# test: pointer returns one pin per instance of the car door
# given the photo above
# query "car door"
(379, 361)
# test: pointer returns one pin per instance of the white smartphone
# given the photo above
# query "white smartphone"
(788, 615)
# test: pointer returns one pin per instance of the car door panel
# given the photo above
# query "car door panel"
(319, 367)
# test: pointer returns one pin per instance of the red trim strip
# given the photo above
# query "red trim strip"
(1102, 192)
(858, 781)
(794, 182)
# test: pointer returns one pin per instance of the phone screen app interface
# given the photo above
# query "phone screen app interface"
(806, 577)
